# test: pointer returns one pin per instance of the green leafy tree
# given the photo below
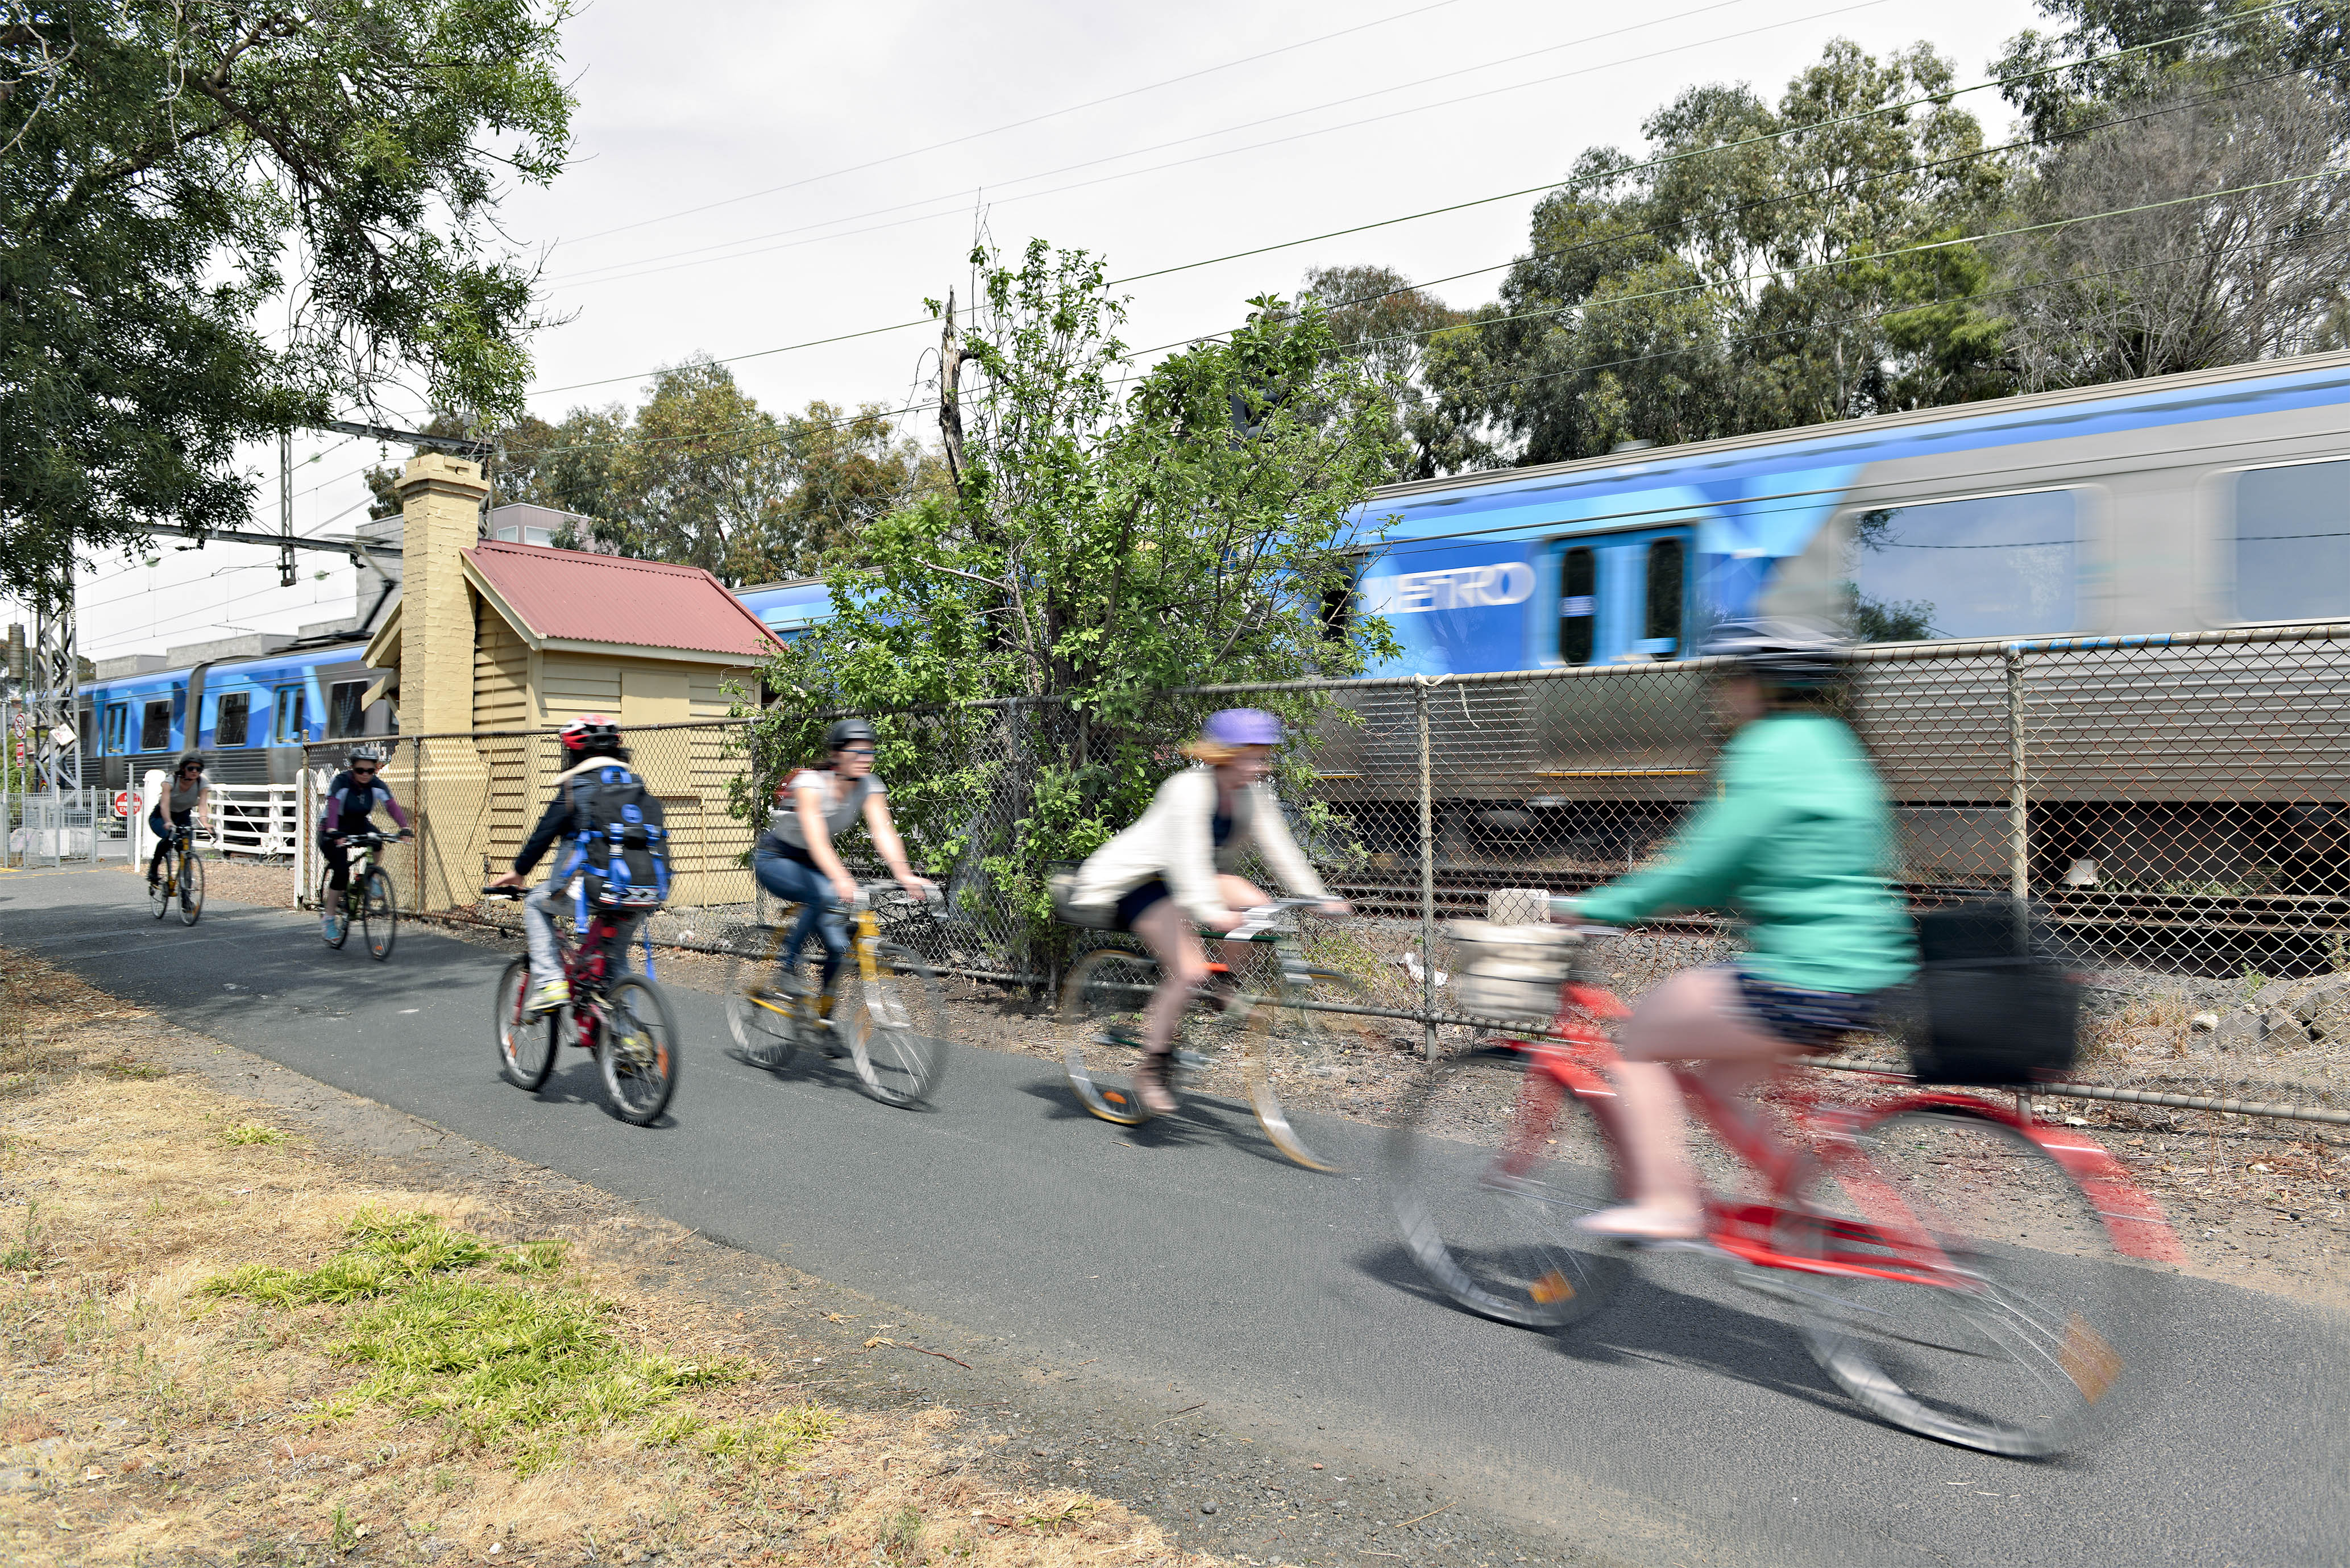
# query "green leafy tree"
(1102, 547)
(1755, 269)
(1377, 318)
(703, 476)
(170, 173)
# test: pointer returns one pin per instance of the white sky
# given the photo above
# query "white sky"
(769, 110)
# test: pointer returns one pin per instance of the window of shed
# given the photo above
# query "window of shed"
(1995, 566)
(2292, 542)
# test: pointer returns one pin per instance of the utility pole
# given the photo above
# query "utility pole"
(286, 508)
(950, 359)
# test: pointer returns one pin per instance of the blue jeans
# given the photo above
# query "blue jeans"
(820, 911)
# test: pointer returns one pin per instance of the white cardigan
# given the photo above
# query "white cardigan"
(1173, 839)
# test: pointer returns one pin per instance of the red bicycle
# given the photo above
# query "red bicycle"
(623, 1020)
(1964, 1273)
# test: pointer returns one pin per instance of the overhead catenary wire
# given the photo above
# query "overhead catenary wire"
(641, 266)
(1020, 124)
(1811, 127)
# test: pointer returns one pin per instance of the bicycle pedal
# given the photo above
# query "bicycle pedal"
(1190, 1061)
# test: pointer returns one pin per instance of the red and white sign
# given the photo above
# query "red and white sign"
(123, 803)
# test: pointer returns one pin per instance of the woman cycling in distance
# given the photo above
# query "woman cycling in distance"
(1174, 867)
(795, 860)
(1795, 841)
(179, 804)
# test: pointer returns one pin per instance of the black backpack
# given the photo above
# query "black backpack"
(623, 860)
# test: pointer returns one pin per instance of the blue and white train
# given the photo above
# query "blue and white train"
(2212, 500)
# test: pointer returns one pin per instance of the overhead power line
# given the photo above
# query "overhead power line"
(1811, 128)
(642, 267)
(1020, 124)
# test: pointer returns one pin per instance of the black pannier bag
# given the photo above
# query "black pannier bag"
(1999, 1011)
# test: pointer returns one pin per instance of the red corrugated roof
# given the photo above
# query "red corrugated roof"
(576, 596)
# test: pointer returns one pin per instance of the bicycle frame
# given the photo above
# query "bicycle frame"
(1898, 1246)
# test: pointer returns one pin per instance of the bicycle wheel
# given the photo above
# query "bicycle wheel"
(1994, 1312)
(1487, 1170)
(764, 1022)
(1289, 1038)
(379, 914)
(191, 889)
(1103, 1001)
(163, 889)
(335, 917)
(638, 1050)
(897, 1033)
(525, 1041)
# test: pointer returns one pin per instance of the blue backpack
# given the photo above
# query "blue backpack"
(621, 851)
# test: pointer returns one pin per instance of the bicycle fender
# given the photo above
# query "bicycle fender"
(2133, 1219)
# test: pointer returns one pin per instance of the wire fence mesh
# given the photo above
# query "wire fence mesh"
(2173, 807)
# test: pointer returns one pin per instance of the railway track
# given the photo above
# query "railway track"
(1461, 894)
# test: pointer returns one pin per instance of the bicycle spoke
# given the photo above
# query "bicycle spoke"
(2017, 1335)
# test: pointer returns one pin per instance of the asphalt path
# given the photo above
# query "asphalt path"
(1685, 1423)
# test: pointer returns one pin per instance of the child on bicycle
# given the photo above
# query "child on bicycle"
(794, 859)
(181, 802)
(1795, 841)
(1174, 867)
(351, 795)
(590, 742)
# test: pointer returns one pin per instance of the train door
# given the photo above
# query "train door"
(293, 715)
(1624, 597)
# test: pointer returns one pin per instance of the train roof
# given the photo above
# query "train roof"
(163, 679)
(790, 604)
(1816, 460)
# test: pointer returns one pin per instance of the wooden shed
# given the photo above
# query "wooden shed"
(492, 638)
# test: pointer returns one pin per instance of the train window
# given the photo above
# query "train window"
(293, 717)
(2292, 542)
(1663, 620)
(155, 727)
(1338, 608)
(344, 712)
(118, 728)
(1996, 565)
(1578, 590)
(234, 719)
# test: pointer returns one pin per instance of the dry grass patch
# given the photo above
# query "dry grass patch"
(227, 1346)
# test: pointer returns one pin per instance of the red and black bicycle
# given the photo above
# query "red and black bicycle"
(1963, 1271)
(622, 1019)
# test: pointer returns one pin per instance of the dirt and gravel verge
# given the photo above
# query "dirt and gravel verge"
(251, 1319)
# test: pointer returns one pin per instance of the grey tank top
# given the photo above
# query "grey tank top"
(783, 822)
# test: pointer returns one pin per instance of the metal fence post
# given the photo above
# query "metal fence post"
(1427, 876)
(2019, 821)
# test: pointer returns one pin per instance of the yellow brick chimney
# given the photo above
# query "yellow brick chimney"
(441, 506)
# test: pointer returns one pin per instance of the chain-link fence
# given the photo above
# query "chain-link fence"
(2171, 804)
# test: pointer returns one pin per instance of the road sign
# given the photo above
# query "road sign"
(123, 803)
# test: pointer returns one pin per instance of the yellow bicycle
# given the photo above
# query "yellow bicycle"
(889, 1018)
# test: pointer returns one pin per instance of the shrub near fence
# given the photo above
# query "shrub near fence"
(2171, 803)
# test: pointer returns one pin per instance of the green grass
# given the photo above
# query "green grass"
(253, 1131)
(520, 1362)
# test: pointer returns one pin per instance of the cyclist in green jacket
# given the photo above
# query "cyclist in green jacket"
(1796, 841)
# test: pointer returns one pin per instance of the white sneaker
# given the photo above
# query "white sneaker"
(550, 995)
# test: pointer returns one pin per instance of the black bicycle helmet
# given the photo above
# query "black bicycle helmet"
(1784, 653)
(844, 730)
(187, 757)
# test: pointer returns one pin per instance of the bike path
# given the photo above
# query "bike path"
(1682, 1424)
